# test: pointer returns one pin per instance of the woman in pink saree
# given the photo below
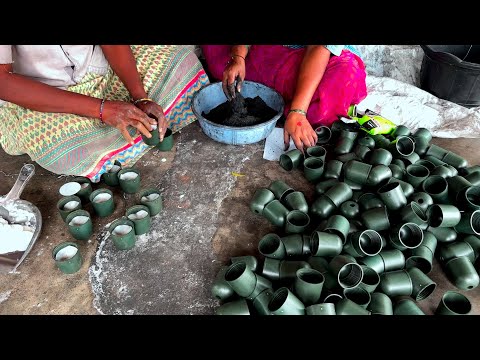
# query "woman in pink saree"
(317, 82)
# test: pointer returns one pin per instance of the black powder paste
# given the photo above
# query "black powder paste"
(241, 112)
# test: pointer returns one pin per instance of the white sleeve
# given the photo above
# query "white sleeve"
(6, 54)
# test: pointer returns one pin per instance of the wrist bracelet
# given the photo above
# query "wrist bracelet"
(101, 110)
(298, 111)
(143, 99)
(238, 56)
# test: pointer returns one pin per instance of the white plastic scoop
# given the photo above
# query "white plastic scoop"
(19, 212)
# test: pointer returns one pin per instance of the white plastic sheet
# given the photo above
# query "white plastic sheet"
(404, 104)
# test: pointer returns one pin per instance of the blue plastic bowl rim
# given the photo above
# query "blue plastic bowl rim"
(264, 124)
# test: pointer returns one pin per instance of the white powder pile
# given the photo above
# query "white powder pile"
(71, 205)
(79, 220)
(70, 188)
(129, 176)
(151, 197)
(16, 236)
(122, 230)
(114, 169)
(19, 215)
(154, 127)
(138, 215)
(66, 253)
(102, 197)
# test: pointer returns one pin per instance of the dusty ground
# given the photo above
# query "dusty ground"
(228, 229)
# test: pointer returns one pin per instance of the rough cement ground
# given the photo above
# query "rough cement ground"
(192, 238)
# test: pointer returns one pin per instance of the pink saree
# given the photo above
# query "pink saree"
(276, 66)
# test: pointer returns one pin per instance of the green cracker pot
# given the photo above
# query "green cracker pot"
(220, 288)
(104, 208)
(380, 304)
(296, 201)
(241, 279)
(461, 272)
(167, 143)
(142, 226)
(308, 285)
(154, 206)
(129, 186)
(284, 302)
(122, 241)
(61, 203)
(407, 306)
(251, 261)
(85, 190)
(80, 231)
(316, 151)
(237, 307)
(68, 265)
(271, 246)
(275, 212)
(280, 189)
(454, 303)
(291, 159)
(321, 309)
(423, 286)
(396, 283)
(348, 307)
(260, 199)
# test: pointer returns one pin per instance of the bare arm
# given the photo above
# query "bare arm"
(122, 61)
(310, 74)
(37, 96)
(235, 70)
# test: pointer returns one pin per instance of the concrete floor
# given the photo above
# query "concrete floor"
(205, 221)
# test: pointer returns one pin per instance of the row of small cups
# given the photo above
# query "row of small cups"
(80, 226)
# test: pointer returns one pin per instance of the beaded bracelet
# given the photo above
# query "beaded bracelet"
(101, 110)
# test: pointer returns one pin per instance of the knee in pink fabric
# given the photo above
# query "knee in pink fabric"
(217, 57)
(342, 84)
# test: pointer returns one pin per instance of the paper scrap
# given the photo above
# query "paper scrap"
(274, 146)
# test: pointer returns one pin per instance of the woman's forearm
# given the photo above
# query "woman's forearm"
(310, 74)
(241, 50)
(38, 96)
(122, 61)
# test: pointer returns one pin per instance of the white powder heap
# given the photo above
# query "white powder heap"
(151, 197)
(129, 176)
(79, 220)
(138, 215)
(16, 236)
(71, 205)
(19, 214)
(102, 197)
(66, 253)
(70, 188)
(114, 169)
(154, 127)
(122, 230)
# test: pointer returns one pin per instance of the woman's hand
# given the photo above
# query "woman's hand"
(302, 133)
(235, 71)
(120, 115)
(155, 111)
